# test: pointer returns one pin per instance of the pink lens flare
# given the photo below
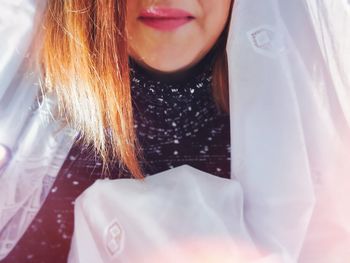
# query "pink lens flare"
(207, 250)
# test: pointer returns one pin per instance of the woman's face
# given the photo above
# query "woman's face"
(169, 35)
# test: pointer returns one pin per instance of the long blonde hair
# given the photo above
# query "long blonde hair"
(84, 59)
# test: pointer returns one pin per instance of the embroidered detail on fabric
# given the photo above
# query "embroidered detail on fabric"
(114, 241)
(265, 40)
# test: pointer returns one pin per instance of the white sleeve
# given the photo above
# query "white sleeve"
(33, 150)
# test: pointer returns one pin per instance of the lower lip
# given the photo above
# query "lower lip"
(165, 24)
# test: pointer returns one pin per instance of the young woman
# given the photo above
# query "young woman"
(145, 85)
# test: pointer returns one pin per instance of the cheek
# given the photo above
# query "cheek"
(215, 16)
(131, 18)
(135, 31)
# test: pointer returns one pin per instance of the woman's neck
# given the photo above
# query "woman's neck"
(178, 76)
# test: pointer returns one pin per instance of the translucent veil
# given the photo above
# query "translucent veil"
(290, 109)
(290, 140)
(32, 144)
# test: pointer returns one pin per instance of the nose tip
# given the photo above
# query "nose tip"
(4, 155)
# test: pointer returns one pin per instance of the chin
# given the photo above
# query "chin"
(169, 64)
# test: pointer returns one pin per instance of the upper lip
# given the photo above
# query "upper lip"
(164, 12)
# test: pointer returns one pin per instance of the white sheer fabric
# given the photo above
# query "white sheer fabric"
(290, 137)
(288, 200)
(35, 148)
(174, 216)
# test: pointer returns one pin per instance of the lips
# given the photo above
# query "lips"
(165, 19)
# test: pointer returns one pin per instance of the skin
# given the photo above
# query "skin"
(179, 49)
